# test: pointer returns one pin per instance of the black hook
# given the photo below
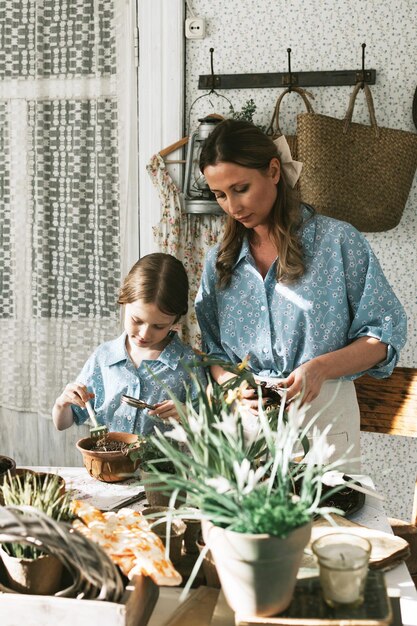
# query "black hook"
(363, 65)
(212, 70)
(289, 69)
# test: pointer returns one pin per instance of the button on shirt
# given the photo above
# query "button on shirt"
(343, 295)
(109, 373)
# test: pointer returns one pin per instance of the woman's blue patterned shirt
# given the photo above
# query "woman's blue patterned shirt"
(109, 373)
(343, 295)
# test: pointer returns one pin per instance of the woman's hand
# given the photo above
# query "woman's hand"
(358, 356)
(74, 393)
(307, 379)
(165, 410)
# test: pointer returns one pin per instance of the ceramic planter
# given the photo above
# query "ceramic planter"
(257, 572)
(40, 576)
(109, 467)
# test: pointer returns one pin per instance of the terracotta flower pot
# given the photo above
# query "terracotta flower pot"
(153, 495)
(109, 467)
(257, 572)
(22, 472)
(40, 576)
(191, 535)
(155, 517)
(209, 567)
(7, 464)
(159, 527)
(153, 513)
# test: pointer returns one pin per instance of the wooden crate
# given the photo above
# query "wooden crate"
(135, 610)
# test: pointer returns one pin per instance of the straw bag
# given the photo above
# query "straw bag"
(353, 172)
(274, 128)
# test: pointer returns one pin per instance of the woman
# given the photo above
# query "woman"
(302, 295)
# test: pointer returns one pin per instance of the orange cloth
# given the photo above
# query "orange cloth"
(128, 540)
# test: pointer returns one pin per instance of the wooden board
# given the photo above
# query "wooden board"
(309, 609)
(389, 405)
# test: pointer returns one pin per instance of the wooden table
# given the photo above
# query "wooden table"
(372, 515)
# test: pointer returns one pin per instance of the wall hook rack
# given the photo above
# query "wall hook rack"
(290, 79)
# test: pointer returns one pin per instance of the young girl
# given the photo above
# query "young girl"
(144, 361)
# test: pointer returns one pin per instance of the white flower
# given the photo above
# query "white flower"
(297, 414)
(195, 425)
(247, 478)
(241, 472)
(228, 425)
(251, 425)
(178, 433)
(320, 450)
(332, 478)
(220, 484)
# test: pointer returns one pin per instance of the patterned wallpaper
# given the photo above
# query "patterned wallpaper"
(250, 37)
(323, 35)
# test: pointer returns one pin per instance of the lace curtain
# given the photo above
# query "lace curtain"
(68, 215)
(188, 237)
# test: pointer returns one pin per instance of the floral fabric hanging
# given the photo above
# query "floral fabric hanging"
(186, 236)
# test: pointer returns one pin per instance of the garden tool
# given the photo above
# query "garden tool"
(139, 404)
(98, 431)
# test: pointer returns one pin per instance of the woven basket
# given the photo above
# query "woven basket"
(353, 172)
(274, 128)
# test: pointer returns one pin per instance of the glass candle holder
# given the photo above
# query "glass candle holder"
(343, 560)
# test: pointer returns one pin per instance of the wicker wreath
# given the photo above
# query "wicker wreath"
(93, 573)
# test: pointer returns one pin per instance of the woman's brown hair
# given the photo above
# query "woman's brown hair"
(243, 143)
(159, 279)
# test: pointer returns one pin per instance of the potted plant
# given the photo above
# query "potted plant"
(240, 474)
(107, 459)
(151, 461)
(28, 569)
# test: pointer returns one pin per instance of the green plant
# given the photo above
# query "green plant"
(43, 492)
(246, 113)
(150, 456)
(240, 470)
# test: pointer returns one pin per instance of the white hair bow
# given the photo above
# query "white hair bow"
(292, 169)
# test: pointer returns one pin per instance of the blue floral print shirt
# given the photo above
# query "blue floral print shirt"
(343, 295)
(109, 373)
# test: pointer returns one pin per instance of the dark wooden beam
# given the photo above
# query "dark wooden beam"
(389, 405)
(300, 79)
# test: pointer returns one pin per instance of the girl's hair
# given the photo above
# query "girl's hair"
(243, 143)
(159, 279)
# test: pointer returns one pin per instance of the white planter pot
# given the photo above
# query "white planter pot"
(257, 572)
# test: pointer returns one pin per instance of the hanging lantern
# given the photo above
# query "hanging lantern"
(197, 195)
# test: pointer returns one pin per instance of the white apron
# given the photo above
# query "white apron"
(344, 413)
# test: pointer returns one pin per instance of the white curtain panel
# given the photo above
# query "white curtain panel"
(68, 181)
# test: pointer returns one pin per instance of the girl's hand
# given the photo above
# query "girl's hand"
(74, 393)
(306, 379)
(165, 410)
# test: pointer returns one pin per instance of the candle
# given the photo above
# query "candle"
(343, 561)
